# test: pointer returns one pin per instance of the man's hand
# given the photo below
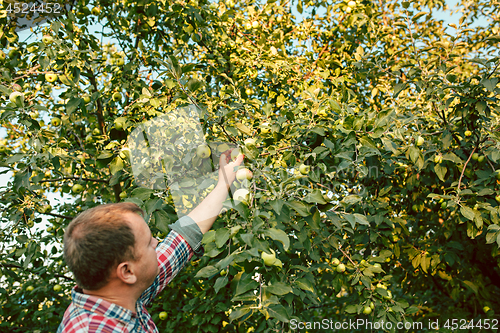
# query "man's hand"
(227, 172)
(207, 211)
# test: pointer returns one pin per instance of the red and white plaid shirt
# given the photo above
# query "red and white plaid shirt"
(93, 314)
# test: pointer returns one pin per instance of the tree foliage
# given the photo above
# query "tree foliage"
(386, 104)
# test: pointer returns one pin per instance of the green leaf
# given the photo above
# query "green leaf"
(73, 104)
(440, 171)
(278, 235)
(221, 237)
(351, 309)
(472, 286)
(116, 165)
(398, 88)
(481, 107)
(361, 219)
(315, 197)
(105, 154)
(161, 220)
(299, 207)
(206, 272)
(352, 199)
(245, 284)
(467, 212)
(142, 193)
(279, 288)
(239, 312)
(304, 284)
(490, 84)
(277, 205)
(221, 282)
(278, 311)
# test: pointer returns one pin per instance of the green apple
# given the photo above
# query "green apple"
(96, 131)
(486, 309)
(196, 37)
(125, 153)
(351, 4)
(244, 173)
(497, 174)
(444, 205)
(16, 87)
(255, 24)
(56, 122)
(2, 55)
(235, 153)
(123, 195)
(47, 40)
(497, 198)
(380, 285)
(3, 149)
(203, 151)
(335, 262)
(264, 128)
(372, 306)
(304, 169)
(46, 208)
(50, 77)
(189, 28)
(119, 62)
(269, 259)
(389, 295)
(77, 188)
(420, 141)
(86, 98)
(96, 11)
(341, 268)
(162, 315)
(16, 97)
(248, 26)
(468, 133)
(248, 91)
(480, 159)
(367, 310)
(117, 96)
(406, 4)
(475, 156)
(30, 288)
(250, 142)
(57, 288)
(242, 195)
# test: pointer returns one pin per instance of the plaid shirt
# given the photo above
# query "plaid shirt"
(93, 314)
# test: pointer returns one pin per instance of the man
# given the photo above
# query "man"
(120, 268)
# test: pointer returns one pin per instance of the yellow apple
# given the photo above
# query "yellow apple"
(244, 173)
(269, 259)
(203, 151)
(242, 195)
(56, 122)
(50, 77)
(16, 97)
(235, 153)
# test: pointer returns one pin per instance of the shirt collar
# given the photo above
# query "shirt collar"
(100, 306)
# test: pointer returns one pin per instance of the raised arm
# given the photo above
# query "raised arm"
(207, 211)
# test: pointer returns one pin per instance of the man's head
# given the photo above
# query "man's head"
(105, 239)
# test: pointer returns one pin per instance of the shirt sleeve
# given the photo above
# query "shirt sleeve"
(173, 253)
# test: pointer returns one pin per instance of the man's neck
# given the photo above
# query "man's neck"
(119, 295)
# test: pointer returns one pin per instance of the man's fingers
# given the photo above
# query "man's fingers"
(239, 160)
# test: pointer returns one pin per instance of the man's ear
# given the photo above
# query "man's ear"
(125, 273)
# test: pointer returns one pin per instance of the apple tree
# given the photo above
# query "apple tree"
(370, 136)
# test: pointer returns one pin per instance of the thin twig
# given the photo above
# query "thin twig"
(463, 170)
